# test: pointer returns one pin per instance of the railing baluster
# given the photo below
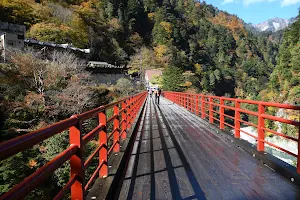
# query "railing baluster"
(260, 130)
(190, 103)
(116, 127)
(298, 157)
(103, 172)
(129, 113)
(133, 109)
(202, 107)
(180, 100)
(237, 124)
(211, 120)
(194, 103)
(76, 161)
(197, 104)
(221, 113)
(124, 120)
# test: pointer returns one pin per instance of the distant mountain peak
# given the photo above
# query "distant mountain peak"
(274, 24)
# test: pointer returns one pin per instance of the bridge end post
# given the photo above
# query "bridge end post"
(116, 129)
(260, 128)
(76, 161)
(103, 172)
(237, 123)
(221, 113)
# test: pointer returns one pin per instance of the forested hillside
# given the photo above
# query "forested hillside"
(212, 49)
(199, 47)
(285, 79)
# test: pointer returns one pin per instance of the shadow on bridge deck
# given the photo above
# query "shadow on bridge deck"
(176, 156)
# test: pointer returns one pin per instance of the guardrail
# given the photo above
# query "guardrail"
(214, 108)
(124, 113)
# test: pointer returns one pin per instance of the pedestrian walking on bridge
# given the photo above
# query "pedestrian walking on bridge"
(157, 95)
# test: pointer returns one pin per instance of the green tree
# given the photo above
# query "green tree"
(173, 79)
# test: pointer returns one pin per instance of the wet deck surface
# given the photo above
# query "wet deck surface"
(176, 156)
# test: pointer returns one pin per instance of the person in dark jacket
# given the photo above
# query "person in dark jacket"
(157, 95)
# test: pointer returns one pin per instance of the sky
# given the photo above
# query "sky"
(257, 11)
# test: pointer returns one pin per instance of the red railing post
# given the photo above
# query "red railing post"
(298, 157)
(135, 107)
(181, 99)
(124, 120)
(237, 123)
(128, 124)
(188, 100)
(202, 107)
(197, 104)
(76, 161)
(194, 104)
(211, 120)
(103, 172)
(191, 102)
(260, 128)
(117, 129)
(221, 113)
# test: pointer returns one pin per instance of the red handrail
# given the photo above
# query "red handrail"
(122, 120)
(200, 104)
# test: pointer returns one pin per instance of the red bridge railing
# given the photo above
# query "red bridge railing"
(124, 113)
(214, 108)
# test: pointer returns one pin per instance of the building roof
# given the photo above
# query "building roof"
(150, 73)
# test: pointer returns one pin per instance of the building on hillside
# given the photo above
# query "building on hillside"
(149, 75)
(50, 46)
(106, 73)
(11, 36)
(99, 64)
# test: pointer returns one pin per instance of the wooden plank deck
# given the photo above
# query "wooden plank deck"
(176, 156)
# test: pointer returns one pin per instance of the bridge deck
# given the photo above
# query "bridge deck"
(177, 156)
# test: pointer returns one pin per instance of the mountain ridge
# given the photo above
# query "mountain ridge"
(273, 24)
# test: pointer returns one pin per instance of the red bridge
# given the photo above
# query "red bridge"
(179, 149)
